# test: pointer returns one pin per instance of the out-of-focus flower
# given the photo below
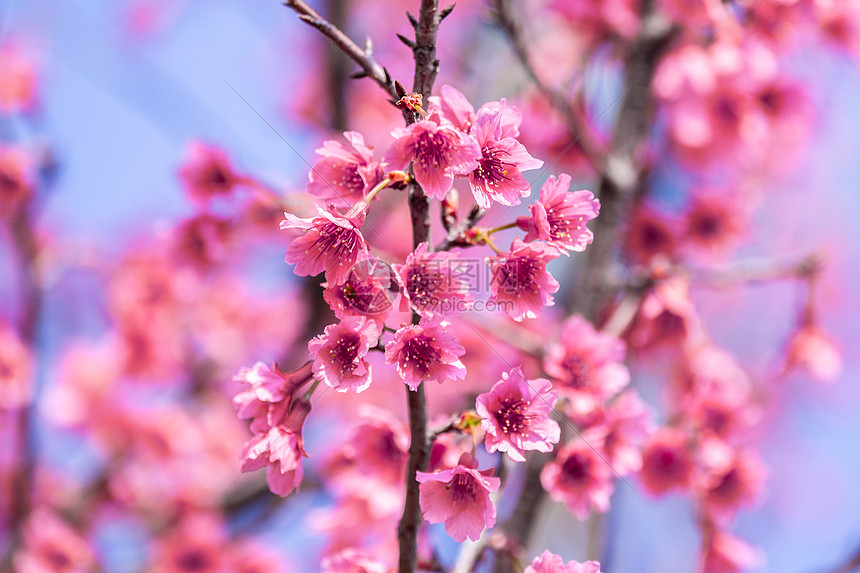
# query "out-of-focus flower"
(515, 415)
(726, 487)
(207, 173)
(666, 462)
(195, 545)
(587, 365)
(339, 353)
(548, 562)
(270, 394)
(520, 284)
(622, 426)
(459, 498)
(811, 350)
(52, 546)
(725, 553)
(352, 560)
(342, 176)
(425, 352)
(559, 216)
(579, 478)
(18, 80)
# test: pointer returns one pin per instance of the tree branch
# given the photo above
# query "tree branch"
(506, 19)
(369, 67)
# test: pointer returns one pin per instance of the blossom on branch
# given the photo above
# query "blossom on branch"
(426, 351)
(548, 562)
(520, 282)
(459, 498)
(339, 353)
(559, 216)
(342, 177)
(515, 415)
(331, 243)
(438, 152)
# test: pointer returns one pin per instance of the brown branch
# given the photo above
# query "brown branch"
(426, 68)
(369, 67)
(506, 19)
(456, 237)
(27, 247)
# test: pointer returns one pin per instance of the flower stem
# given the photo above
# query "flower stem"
(502, 228)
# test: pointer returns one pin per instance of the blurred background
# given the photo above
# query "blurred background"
(123, 87)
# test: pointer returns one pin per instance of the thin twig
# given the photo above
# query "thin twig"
(575, 124)
(369, 67)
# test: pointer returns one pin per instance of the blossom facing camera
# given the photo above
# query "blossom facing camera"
(515, 415)
(339, 353)
(520, 282)
(459, 498)
(426, 351)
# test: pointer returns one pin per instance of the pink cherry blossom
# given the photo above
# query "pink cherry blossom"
(280, 451)
(438, 152)
(520, 283)
(18, 80)
(498, 176)
(331, 243)
(270, 394)
(649, 235)
(725, 553)
(459, 498)
(559, 216)
(548, 562)
(714, 224)
(426, 352)
(342, 176)
(352, 560)
(667, 316)
(339, 353)
(515, 415)
(587, 364)
(812, 350)
(454, 107)
(432, 283)
(579, 478)
(50, 545)
(622, 426)
(364, 292)
(207, 173)
(725, 489)
(666, 462)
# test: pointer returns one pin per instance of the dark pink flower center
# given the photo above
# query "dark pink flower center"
(215, 178)
(579, 372)
(491, 167)
(419, 352)
(359, 296)
(58, 558)
(344, 353)
(669, 325)
(708, 226)
(336, 242)
(464, 488)
(9, 184)
(348, 178)
(513, 415)
(6, 370)
(576, 469)
(422, 285)
(729, 487)
(432, 150)
(518, 275)
(194, 560)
